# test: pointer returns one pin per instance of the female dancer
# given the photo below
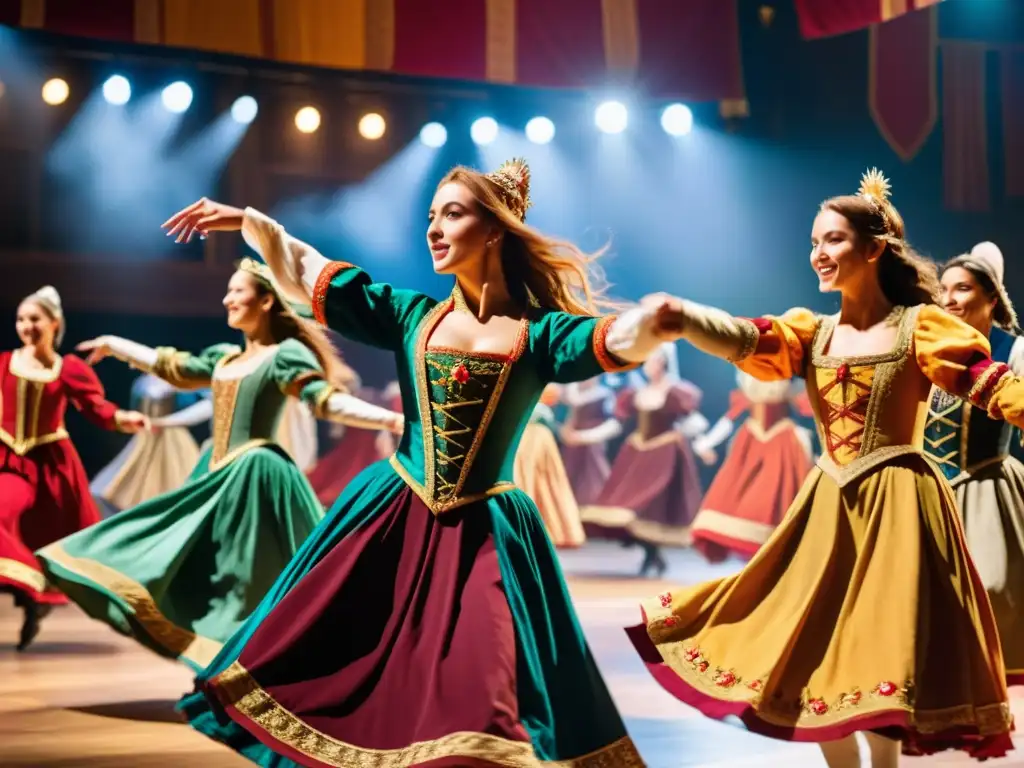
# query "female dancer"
(863, 611)
(540, 473)
(585, 435)
(156, 460)
(470, 632)
(44, 493)
(180, 572)
(767, 463)
(973, 450)
(654, 489)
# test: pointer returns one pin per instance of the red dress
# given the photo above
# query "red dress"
(762, 472)
(44, 493)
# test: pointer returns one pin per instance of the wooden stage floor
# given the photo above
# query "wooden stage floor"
(84, 697)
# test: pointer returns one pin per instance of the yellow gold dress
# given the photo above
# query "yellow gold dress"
(863, 611)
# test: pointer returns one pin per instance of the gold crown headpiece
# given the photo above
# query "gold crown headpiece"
(875, 188)
(513, 178)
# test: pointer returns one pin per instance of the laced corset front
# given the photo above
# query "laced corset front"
(869, 408)
(462, 396)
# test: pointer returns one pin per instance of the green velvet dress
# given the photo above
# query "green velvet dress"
(182, 571)
(426, 622)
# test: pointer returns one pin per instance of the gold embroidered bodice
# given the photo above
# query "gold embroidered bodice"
(869, 408)
(462, 395)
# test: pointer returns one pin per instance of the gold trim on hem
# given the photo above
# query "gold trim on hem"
(23, 574)
(737, 528)
(847, 473)
(176, 640)
(235, 687)
(688, 663)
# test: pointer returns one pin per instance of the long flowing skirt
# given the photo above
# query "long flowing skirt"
(44, 496)
(397, 637)
(588, 469)
(652, 495)
(181, 572)
(150, 464)
(991, 504)
(758, 480)
(539, 472)
(862, 612)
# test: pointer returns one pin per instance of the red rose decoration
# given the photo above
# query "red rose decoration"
(818, 706)
(726, 680)
(755, 685)
(460, 373)
(670, 622)
(691, 654)
(843, 372)
(703, 666)
(887, 688)
(666, 599)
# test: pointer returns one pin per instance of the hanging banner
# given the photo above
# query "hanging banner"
(823, 18)
(964, 127)
(902, 88)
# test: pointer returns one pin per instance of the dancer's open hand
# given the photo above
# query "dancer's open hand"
(202, 217)
(97, 349)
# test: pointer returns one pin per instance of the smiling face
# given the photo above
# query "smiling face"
(35, 326)
(246, 302)
(459, 232)
(964, 297)
(839, 258)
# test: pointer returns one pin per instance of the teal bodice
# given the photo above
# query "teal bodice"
(248, 396)
(962, 439)
(464, 413)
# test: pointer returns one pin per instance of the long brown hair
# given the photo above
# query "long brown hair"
(556, 273)
(286, 324)
(906, 277)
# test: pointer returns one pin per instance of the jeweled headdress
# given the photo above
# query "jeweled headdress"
(513, 178)
(875, 188)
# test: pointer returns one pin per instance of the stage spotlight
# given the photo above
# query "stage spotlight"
(484, 130)
(372, 126)
(540, 130)
(611, 117)
(244, 110)
(307, 119)
(55, 91)
(117, 90)
(434, 135)
(177, 97)
(677, 120)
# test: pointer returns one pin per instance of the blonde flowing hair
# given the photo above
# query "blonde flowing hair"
(554, 273)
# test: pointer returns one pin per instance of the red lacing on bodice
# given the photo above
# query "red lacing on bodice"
(856, 411)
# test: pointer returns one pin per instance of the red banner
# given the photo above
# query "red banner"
(823, 18)
(450, 44)
(559, 43)
(1013, 120)
(902, 80)
(691, 49)
(964, 127)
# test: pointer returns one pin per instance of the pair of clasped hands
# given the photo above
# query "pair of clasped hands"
(205, 216)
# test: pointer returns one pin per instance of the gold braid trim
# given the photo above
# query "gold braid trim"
(322, 285)
(985, 385)
(22, 574)
(169, 366)
(320, 403)
(176, 641)
(235, 687)
(751, 335)
(607, 360)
